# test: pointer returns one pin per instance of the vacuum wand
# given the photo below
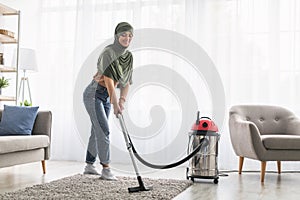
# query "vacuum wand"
(141, 186)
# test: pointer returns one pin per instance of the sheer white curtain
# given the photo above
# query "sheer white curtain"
(254, 45)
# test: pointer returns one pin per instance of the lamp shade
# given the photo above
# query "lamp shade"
(27, 59)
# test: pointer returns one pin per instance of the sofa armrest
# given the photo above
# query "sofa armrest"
(43, 123)
(42, 126)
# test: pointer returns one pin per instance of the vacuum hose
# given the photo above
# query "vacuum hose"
(203, 143)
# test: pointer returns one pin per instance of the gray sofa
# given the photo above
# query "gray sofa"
(22, 149)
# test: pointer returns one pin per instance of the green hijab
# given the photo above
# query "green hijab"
(115, 61)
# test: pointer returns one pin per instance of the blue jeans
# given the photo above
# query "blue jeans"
(96, 102)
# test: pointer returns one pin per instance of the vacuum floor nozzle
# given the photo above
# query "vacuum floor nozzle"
(139, 188)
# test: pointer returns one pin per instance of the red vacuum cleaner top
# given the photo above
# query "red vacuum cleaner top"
(205, 124)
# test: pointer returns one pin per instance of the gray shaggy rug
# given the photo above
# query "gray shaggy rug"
(92, 187)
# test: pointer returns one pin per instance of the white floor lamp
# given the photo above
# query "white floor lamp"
(27, 62)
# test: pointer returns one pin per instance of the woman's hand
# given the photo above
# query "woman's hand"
(121, 103)
(117, 109)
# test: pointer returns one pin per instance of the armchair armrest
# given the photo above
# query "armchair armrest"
(245, 138)
(293, 126)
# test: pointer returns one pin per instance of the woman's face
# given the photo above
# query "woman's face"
(125, 38)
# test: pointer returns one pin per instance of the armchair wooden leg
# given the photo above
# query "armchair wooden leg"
(279, 167)
(241, 161)
(44, 166)
(263, 171)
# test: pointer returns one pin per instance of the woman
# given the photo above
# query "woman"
(114, 68)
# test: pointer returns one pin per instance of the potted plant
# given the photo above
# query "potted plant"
(26, 103)
(3, 83)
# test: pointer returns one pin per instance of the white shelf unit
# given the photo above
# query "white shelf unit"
(9, 40)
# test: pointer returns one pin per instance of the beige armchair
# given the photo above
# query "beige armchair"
(264, 133)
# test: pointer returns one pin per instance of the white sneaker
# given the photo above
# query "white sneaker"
(108, 175)
(90, 169)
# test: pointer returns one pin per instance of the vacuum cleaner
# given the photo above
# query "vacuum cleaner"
(193, 150)
(205, 163)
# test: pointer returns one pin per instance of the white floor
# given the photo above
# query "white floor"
(231, 187)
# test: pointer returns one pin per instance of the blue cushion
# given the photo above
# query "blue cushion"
(17, 120)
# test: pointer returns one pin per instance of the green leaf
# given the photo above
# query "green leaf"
(4, 82)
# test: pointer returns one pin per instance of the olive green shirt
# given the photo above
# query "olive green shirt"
(117, 66)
